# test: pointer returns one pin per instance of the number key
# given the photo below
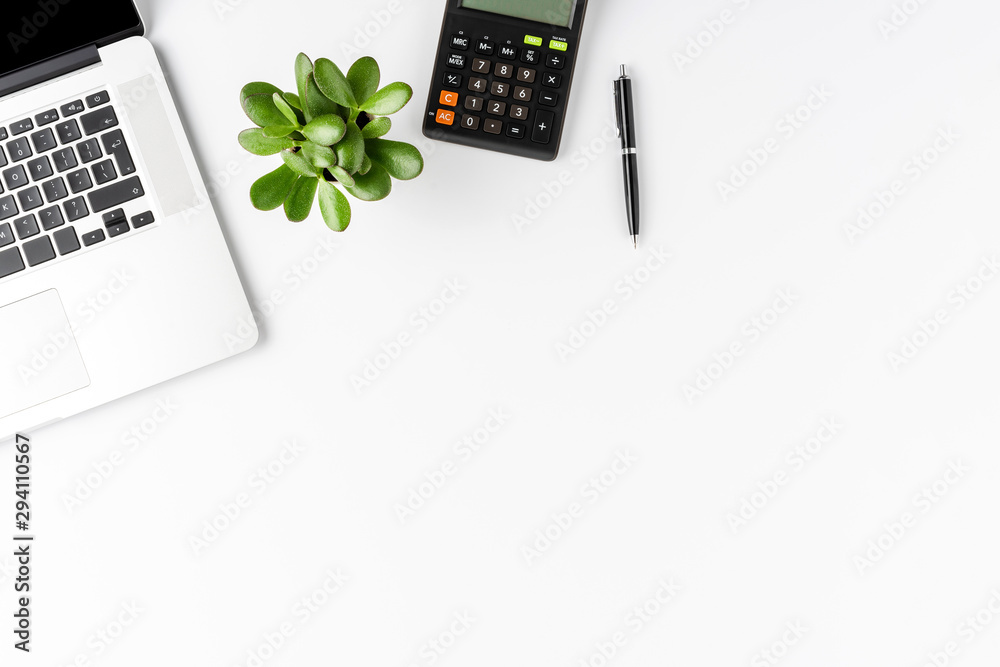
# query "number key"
(500, 89)
(477, 84)
(481, 66)
(19, 149)
(519, 112)
(497, 108)
(503, 70)
(522, 94)
(473, 103)
(525, 75)
(470, 122)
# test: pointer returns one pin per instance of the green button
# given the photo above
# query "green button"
(558, 46)
(533, 41)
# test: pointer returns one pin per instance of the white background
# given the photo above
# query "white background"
(526, 287)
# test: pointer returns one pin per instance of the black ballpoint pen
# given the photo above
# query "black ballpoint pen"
(626, 130)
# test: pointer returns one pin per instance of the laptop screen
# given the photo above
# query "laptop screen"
(33, 30)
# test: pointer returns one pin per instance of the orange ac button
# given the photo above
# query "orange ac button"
(449, 98)
(445, 117)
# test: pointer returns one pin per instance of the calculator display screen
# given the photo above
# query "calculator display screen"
(552, 12)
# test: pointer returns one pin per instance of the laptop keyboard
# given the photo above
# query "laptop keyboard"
(68, 181)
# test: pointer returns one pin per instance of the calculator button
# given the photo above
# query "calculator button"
(555, 61)
(507, 52)
(480, 65)
(491, 126)
(448, 98)
(516, 131)
(484, 47)
(470, 122)
(522, 94)
(504, 71)
(460, 42)
(478, 85)
(452, 80)
(496, 107)
(551, 80)
(473, 103)
(500, 89)
(456, 60)
(548, 99)
(525, 75)
(531, 40)
(530, 56)
(445, 117)
(556, 45)
(518, 112)
(542, 129)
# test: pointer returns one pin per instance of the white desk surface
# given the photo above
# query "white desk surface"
(802, 561)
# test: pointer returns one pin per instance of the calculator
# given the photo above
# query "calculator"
(503, 74)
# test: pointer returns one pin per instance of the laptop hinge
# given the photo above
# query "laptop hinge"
(51, 68)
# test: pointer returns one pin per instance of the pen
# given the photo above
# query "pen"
(626, 130)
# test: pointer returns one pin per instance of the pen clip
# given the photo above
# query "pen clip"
(615, 86)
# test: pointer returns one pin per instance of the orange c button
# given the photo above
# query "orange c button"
(449, 98)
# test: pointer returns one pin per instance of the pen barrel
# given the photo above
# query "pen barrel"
(630, 172)
(626, 118)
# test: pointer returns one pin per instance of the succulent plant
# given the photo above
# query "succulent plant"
(329, 133)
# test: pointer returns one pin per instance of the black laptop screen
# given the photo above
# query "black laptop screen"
(33, 30)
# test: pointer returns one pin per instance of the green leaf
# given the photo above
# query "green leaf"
(318, 104)
(297, 163)
(400, 159)
(293, 100)
(303, 68)
(319, 156)
(366, 165)
(325, 130)
(351, 149)
(342, 176)
(257, 100)
(389, 100)
(364, 77)
(300, 199)
(270, 190)
(376, 128)
(285, 109)
(276, 131)
(254, 141)
(333, 83)
(334, 206)
(372, 186)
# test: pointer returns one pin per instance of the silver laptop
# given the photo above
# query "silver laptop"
(114, 274)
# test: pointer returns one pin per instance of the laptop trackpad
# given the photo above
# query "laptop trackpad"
(40, 360)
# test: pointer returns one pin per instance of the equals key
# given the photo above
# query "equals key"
(114, 144)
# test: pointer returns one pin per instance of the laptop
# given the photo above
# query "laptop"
(114, 273)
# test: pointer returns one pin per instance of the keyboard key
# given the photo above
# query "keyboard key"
(46, 117)
(530, 56)
(541, 131)
(97, 99)
(522, 94)
(104, 172)
(40, 168)
(484, 47)
(54, 190)
(38, 251)
(500, 89)
(507, 52)
(21, 126)
(460, 42)
(50, 218)
(444, 117)
(79, 181)
(142, 219)
(93, 237)
(19, 149)
(10, 262)
(516, 131)
(6, 234)
(456, 60)
(448, 98)
(64, 159)
(496, 107)
(66, 241)
(3, 133)
(119, 229)
(113, 217)
(491, 126)
(7, 207)
(477, 85)
(114, 144)
(15, 177)
(551, 80)
(548, 99)
(452, 80)
(470, 122)
(525, 75)
(503, 70)
(97, 121)
(3, 158)
(72, 108)
(89, 150)
(30, 199)
(473, 103)
(115, 194)
(75, 208)
(26, 227)
(69, 131)
(555, 61)
(480, 66)
(518, 112)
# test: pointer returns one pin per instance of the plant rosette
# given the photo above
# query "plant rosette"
(330, 135)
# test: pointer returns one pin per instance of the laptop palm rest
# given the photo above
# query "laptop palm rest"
(41, 360)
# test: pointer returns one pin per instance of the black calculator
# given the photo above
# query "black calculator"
(503, 74)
